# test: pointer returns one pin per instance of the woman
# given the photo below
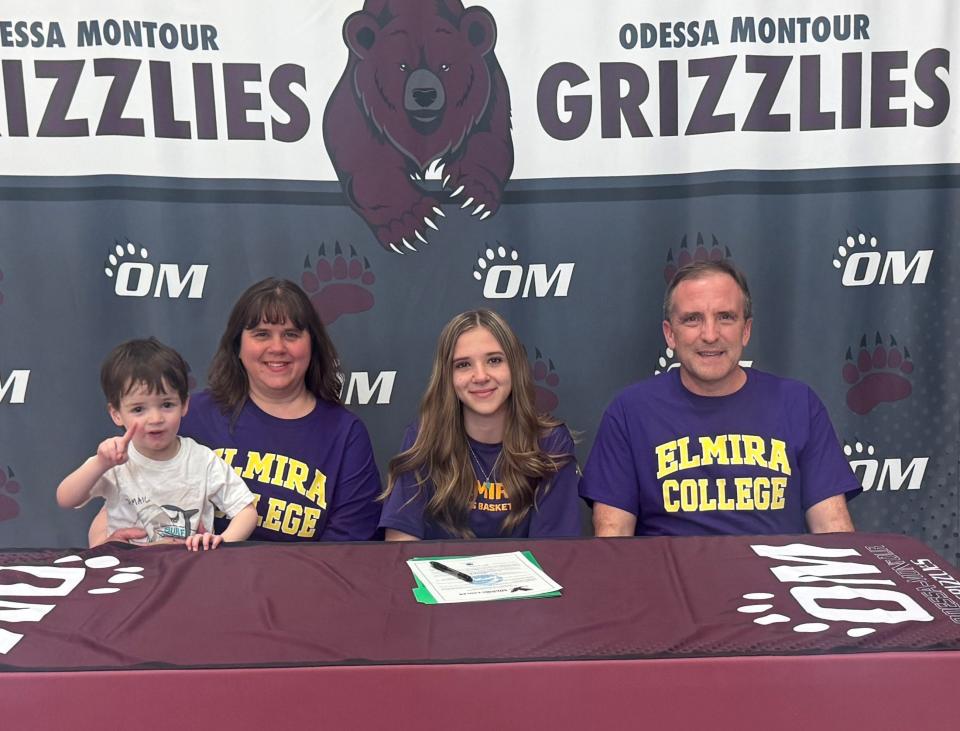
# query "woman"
(481, 462)
(272, 410)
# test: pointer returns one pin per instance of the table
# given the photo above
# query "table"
(837, 631)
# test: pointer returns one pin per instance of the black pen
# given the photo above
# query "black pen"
(453, 572)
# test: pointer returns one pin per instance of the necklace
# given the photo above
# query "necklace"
(487, 475)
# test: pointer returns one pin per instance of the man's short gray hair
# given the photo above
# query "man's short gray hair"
(698, 269)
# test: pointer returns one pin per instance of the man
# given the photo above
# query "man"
(711, 447)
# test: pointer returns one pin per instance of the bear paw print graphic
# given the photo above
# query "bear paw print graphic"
(684, 257)
(338, 285)
(880, 375)
(545, 381)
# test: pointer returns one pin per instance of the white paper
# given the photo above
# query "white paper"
(495, 576)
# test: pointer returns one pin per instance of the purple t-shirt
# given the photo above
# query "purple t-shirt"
(315, 477)
(556, 514)
(752, 462)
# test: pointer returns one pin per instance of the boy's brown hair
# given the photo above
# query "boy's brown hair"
(146, 361)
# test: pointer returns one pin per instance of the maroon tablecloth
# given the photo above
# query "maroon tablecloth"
(258, 605)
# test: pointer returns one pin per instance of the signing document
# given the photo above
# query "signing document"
(446, 580)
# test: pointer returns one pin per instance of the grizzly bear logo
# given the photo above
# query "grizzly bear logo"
(422, 87)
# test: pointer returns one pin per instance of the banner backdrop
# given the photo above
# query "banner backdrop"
(405, 160)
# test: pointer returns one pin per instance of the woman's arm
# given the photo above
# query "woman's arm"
(558, 510)
(399, 535)
(97, 534)
(355, 510)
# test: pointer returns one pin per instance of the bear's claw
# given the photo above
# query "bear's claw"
(401, 234)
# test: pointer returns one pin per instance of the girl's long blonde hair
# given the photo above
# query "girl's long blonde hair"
(441, 453)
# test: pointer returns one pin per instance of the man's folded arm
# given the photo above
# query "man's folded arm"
(610, 521)
(830, 516)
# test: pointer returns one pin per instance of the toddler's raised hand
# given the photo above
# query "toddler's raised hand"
(113, 451)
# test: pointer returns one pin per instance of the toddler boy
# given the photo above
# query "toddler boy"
(150, 477)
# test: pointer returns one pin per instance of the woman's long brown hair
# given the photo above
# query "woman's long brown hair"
(273, 301)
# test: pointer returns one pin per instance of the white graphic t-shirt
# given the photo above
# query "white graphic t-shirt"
(171, 499)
